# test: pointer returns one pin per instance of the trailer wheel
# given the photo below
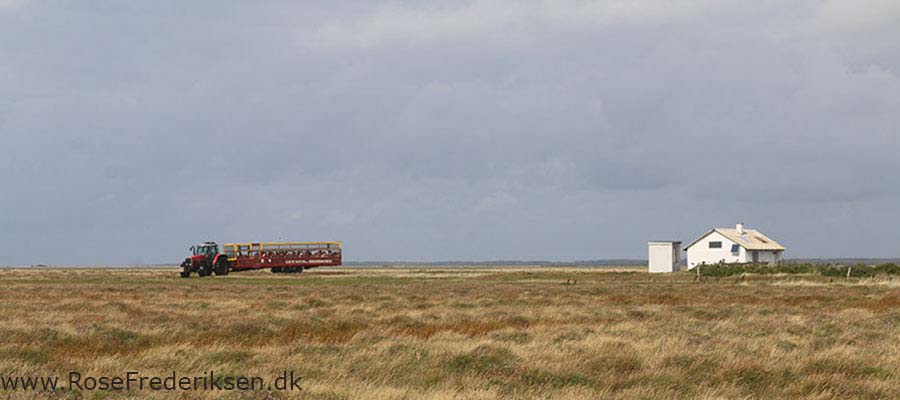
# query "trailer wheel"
(222, 267)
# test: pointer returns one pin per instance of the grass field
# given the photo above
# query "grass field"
(459, 333)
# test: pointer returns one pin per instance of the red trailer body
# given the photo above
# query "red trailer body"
(282, 256)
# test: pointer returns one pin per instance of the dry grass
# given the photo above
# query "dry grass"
(461, 333)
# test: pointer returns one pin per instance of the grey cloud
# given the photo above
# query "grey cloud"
(442, 130)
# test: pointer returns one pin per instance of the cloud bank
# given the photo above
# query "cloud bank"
(446, 130)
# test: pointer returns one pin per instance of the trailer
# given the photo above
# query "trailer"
(277, 256)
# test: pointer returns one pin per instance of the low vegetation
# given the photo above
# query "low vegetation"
(832, 270)
(462, 333)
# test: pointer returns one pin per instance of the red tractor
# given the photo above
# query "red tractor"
(205, 261)
(275, 256)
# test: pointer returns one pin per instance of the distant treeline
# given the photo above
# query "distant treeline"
(858, 270)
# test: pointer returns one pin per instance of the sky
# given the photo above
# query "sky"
(446, 130)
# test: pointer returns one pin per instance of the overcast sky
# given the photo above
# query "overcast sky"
(463, 130)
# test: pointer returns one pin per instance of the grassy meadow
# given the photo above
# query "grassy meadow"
(459, 333)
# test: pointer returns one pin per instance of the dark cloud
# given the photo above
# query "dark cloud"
(445, 130)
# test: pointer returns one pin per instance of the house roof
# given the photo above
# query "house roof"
(752, 239)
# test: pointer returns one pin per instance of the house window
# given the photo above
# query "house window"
(715, 245)
(735, 248)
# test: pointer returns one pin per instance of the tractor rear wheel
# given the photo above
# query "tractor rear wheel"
(222, 267)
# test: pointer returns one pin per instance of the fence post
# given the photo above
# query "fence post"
(698, 272)
(849, 268)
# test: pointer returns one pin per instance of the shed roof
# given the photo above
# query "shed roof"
(752, 239)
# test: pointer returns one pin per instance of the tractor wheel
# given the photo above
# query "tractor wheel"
(299, 269)
(222, 267)
(204, 271)
(276, 270)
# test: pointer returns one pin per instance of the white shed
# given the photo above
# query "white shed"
(664, 256)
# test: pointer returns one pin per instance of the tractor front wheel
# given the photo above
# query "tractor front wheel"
(185, 269)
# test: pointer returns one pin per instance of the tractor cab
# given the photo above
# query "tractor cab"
(208, 249)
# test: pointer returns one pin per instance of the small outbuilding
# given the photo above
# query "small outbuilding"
(664, 256)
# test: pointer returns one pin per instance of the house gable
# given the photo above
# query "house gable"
(718, 236)
(703, 251)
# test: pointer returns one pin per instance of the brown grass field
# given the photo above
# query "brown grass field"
(509, 333)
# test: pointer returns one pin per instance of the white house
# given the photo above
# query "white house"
(736, 245)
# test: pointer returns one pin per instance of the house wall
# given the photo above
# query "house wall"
(743, 255)
(701, 253)
(765, 257)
